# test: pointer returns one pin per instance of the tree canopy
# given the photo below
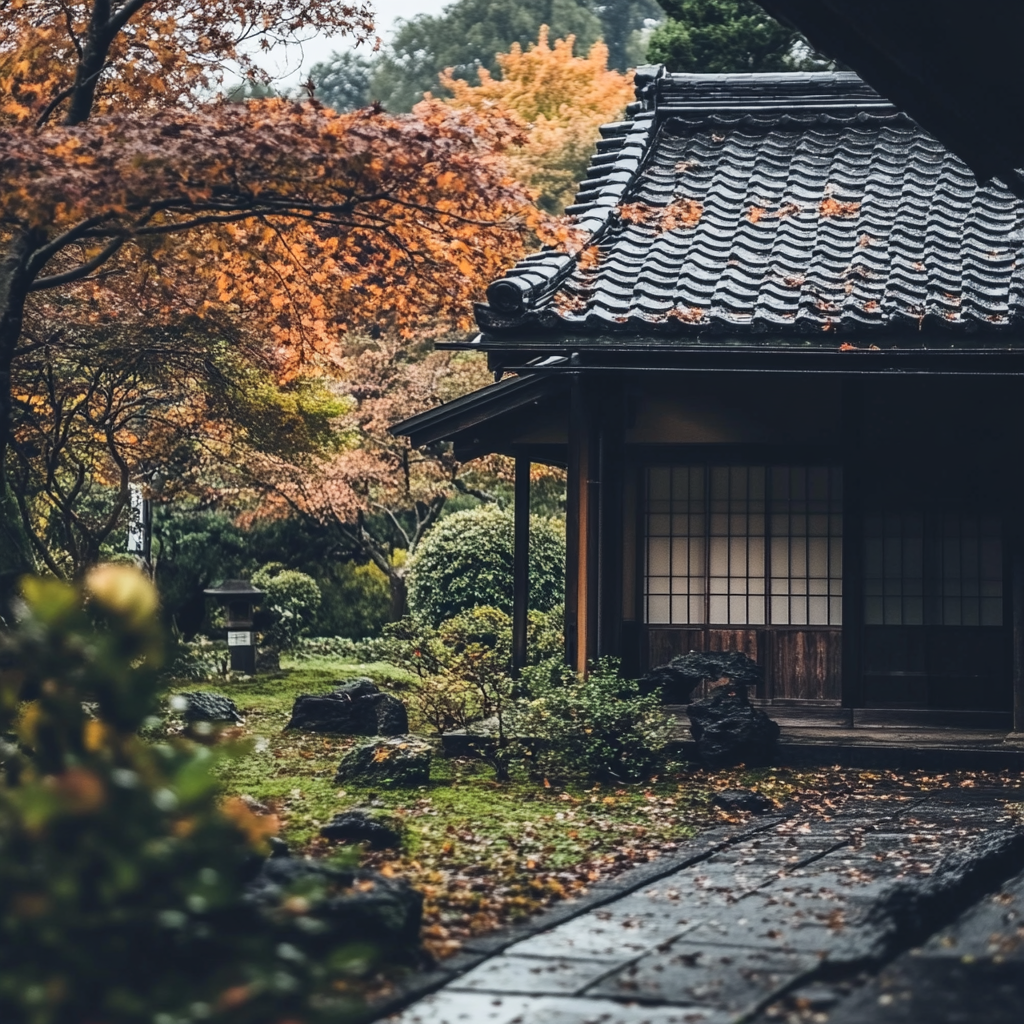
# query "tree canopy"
(716, 36)
(130, 196)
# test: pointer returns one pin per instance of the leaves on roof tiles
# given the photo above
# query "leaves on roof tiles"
(683, 213)
(756, 213)
(688, 314)
(832, 207)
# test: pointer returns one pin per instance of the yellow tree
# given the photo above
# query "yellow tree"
(562, 99)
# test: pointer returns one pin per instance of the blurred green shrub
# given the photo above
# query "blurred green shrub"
(290, 601)
(465, 561)
(356, 600)
(122, 873)
(199, 659)
(597, 726)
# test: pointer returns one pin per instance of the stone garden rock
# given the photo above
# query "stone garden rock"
(479, 740)
(742, 800)
(729, 730)
(361, 906)
(360, 826)
(354, 708)
(394, 761)
(201, 706)
(683, 674)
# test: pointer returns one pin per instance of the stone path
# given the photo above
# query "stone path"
(772, 926)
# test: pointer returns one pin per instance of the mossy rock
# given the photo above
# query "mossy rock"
(387, 761)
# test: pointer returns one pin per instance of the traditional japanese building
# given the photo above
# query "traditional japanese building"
(783, 369)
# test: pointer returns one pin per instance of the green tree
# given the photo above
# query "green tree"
(624, 26)
(716, 36)
(466, 36)
(343, 80)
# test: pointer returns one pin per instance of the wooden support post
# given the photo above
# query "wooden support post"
(1015, 535)
(1017, 607)
(853, 544)
(611, 490)
(581, 532)
(521, 564)
(572, 522)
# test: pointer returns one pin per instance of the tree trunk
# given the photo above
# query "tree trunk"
(15, 549)
(399, 596)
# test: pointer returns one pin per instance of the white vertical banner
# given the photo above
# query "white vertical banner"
(138, 522)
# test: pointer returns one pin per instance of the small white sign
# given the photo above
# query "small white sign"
(242, 639)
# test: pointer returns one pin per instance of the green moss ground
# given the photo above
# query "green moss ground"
(484, 853)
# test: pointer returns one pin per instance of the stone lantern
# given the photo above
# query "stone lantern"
(238, 598)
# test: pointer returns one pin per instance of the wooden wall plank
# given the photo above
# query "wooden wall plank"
(806, 664)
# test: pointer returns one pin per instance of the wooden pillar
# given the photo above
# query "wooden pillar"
(521, 564)
(1017, 608)
(853, 543)
(581, 533)
(611, 490)
(1015, 535)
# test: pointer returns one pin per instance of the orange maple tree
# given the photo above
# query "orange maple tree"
(560, 98)
(125, 189)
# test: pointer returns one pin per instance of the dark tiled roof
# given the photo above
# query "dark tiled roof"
(779, 204)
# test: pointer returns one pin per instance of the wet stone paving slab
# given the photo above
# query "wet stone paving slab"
(889, 911)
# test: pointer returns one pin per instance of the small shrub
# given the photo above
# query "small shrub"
(290, 599)
(199, 659)
(465, 562)
(598, 726)
(464, 665)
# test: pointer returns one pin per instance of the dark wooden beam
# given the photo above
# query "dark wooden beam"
(611, 492)
(853, 544)
(574, 468)
(521, 564)
(1015, 531)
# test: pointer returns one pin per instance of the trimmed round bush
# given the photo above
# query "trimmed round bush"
(465, 562)
(291, 598)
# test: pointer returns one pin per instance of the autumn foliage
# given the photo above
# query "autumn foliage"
(133, 199)
(562, 99)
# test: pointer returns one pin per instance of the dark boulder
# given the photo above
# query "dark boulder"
(358, 826)
(673, 686)
(359, 686)
(479, 739)
(392, 718)
(683, 674)
(742, 800)
(730, 730)
(349, 906)
(354, 708)
(201, 706)
(395, 761)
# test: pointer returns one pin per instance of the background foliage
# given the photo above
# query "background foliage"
(290, 601)
(716, 36)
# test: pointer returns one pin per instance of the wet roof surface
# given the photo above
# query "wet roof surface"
(775, 204)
